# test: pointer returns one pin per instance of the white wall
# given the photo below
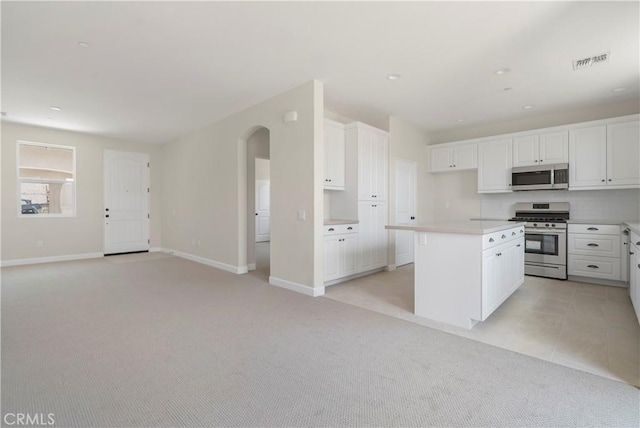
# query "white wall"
(82, 234)
(263, 169)
(208, 167)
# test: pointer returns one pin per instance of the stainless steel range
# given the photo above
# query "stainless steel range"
(545, 240)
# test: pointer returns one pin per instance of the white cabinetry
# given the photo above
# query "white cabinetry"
(594, 251)
(453, 157)
(334, 155)
(494, 166)
(373, 235)
(372, 146)
(502, 273)
(340, 251)
(547, 148)
(605, 156)
(634, 272)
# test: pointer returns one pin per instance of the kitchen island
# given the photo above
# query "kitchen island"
(465, 270)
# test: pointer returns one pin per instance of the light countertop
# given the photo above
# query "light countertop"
(333, 221)
(469, 227)
(592, 221)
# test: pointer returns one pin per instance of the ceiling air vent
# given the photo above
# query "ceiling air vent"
(592, 60)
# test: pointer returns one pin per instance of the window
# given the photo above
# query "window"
(46, 180)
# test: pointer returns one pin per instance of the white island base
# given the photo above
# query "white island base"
(464, 271)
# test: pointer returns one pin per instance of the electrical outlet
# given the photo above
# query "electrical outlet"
(302, 215)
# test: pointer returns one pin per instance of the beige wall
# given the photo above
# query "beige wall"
(66, 236)
(205, 189)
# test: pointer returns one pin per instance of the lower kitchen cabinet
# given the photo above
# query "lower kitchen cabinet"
(634, 273)
(340, 252)
(372, 239)
(502, 274)
(594, 251)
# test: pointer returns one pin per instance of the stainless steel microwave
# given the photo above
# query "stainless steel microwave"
(540, 177)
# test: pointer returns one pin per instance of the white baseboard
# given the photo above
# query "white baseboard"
(208, 262)
(157, 250)
(251, 266)
(65, 258)
(294, 286)
(390, 268)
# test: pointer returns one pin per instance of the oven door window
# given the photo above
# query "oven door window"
(531, 178)
(538, 243)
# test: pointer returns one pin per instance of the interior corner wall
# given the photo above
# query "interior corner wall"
(408, 143)
(68, 236)
(203, 199)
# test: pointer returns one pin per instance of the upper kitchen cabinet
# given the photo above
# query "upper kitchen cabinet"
(453, 157)
(605, 156)
(334, 155)
(373, 146)
(547, 148)
(494, 166)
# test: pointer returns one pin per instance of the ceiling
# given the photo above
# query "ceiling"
(154, 71)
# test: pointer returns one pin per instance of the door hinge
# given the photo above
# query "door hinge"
(148, 191)
(147, 164)
(148, 215)
(148, 241)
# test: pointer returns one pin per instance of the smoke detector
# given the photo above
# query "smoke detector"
(591, 61)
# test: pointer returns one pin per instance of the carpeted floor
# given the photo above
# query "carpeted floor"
(168, 342)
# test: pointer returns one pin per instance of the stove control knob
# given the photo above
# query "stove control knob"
(553, 225)
(547, 225)
(535, 224)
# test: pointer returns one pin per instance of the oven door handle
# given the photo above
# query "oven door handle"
(547, 231)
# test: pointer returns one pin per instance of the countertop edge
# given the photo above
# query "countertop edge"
(457, 229)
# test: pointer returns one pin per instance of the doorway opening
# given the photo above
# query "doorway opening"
(259, 204)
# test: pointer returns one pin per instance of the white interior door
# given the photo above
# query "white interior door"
(263, 196)
(405, 209)
(126, 202)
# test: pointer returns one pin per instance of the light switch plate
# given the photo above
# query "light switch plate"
(302, 215)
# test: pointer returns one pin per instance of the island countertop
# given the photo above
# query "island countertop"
(469, 227)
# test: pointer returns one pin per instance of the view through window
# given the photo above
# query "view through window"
(46, 179)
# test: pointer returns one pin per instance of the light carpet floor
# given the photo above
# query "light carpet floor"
(169, 342)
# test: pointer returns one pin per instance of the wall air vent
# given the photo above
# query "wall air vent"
(592, 60)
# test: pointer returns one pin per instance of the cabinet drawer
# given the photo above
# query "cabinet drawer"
(492, 239)
(337, 229)
(600, 229)
(594, 267)
(594, 245)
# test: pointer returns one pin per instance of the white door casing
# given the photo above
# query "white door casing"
(405, 209)
(126, 202)
(263, 198)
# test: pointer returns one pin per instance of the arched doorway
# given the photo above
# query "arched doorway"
(254, 155)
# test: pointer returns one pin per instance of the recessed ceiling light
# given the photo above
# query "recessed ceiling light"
(393, 76)
(502, 71)
(527, 107)
(84, 44)
(56, 108)
(618, 89)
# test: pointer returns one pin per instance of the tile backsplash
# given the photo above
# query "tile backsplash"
(584, 204)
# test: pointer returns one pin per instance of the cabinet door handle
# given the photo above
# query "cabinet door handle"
(536, 160)
(413, 218)
(638, 266)
(349, 228)
(504, 236)
(593, 267)
(490, 239)
(591, 244)
(593, 228)
(331, 229)
(609, 179)
(638, 243)
(513, 234)
(518, 245)
(499, 254)
(603, 180)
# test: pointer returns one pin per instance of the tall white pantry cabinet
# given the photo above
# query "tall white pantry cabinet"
(372, 160)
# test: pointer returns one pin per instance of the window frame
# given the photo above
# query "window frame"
(20, 180)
